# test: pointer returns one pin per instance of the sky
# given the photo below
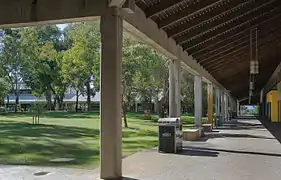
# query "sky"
(250, 107)
(61, 26)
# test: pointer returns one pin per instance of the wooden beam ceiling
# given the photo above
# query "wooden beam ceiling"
(213, 45)
(223, 12)
(263, 41)
(264, 36)
(247, 21)
(161, 6)
(184, 13)
(216, 34)
(244, 27)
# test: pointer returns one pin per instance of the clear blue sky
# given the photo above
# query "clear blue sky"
(250, 107)
(61, 26)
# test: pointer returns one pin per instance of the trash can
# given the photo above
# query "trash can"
(218, 121)
(170, 135)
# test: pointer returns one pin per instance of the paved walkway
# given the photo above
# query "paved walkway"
(241, 150)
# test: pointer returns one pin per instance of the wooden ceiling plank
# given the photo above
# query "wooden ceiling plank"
(184, 13)
(161, 6)
(211, 46)
(243, 20)
(264, 40)
(231, 18)
(270, 16)
(261, 33)
(205, 17)
(208, 48)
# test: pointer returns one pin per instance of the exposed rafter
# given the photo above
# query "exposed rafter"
(265, 39)
(250, 19)
(216, 34)
(244, 26)
(237, 43)
(230, 20)
(161, 6)
(185, 13)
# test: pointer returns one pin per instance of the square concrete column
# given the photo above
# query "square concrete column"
(226, 107)
(111, 28)
(210, 103)
(198, 100)
(279, 101)
(222, 106)
(174, 88)
(218, 102)
(238, 108)
(262, 104)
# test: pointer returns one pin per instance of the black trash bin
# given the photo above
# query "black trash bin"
(170, 135)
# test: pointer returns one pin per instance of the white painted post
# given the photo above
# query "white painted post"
(238, 108)
(198, 100)
(174, 89)
(111, 27)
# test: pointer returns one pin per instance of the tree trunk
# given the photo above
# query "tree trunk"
(60, 102)
(157, 107)
(57, 107)
(125, 115)
(77, 99)
(88, 97)
(17, 102)
(48, 94)
(8, 102)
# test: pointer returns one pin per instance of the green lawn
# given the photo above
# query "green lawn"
(68, 135)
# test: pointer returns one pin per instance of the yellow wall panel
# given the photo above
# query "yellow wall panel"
(272, 97)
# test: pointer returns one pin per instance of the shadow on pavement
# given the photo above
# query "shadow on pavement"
(196, 152)
(273, 127)
(233, 135)
(232, 151)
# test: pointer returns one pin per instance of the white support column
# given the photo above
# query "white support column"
(223, 106)
(210, 103)
(226, 107)
(111, 27)
(238, 108)
(174, 88)
(279, 101)
(262, 104)
(116, 3)
(218, 102)
(198, 100)
(178, 88)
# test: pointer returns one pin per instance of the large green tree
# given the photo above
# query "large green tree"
(187, 90)
(144, 74)
(11, 62)
(42, 48)
(80, 65)
(5, 88)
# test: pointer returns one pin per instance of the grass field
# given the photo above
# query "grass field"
(68, 135)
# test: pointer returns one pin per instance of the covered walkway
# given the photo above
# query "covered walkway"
(242, 149)
(232, 45)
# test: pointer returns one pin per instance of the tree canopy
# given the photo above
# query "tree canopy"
(49, 60)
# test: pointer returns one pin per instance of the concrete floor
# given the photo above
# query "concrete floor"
(242, 150)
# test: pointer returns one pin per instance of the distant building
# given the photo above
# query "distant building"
(26, 99)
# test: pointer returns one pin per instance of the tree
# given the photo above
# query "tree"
(37, 110)
(11, 62)
(129, 67)
(144, 73)
(42, 47)
(80, 65)
(5, 88)
(256, 110)
(187, 90)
